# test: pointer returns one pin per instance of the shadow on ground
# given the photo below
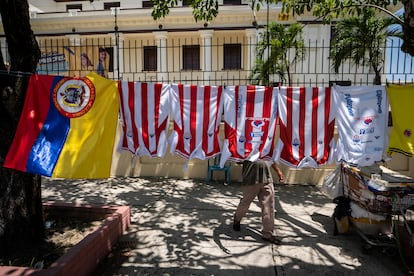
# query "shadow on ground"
(183, 227)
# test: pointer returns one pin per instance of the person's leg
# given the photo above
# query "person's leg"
(249, 193)
(267, 203)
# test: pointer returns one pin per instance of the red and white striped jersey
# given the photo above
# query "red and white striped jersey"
(196, 112)
(306, 126)
(145, 112)
(250, 117)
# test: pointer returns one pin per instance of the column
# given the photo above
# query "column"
(205, 54)
(73, 64)
(161, 37)
(74, 39)
(251, 35)
(118, 62)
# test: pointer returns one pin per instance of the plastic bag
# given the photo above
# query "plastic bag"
(332, 185)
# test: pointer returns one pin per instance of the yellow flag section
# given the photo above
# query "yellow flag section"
(87, 151)
(401, 99)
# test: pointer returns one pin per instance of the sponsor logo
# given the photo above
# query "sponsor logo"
(242, 139)
(407, 133)
(364, 131)
(255, 141)
(379, 100)
(256, 134)
(349, 104)
(239, 105)
(74, 97)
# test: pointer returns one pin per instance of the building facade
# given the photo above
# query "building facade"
(73, 35)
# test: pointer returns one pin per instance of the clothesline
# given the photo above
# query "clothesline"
(307, 116)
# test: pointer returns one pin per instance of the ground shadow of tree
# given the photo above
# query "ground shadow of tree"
(183, 227)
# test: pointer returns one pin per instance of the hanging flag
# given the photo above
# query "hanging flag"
(145, 114)
(306, 126)
(67, 127)
(196, 112)
(401, 99)
(362, 119)
(250, 118)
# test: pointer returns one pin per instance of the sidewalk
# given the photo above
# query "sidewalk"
(183, 227)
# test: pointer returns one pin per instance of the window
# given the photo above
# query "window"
(109, 5)
(74, 7)
(191, 57)
(232, 56)
(147, 4)
(231, 2)
(150, 58)
(186, 3)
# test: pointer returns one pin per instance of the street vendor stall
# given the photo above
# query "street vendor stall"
(382, 201)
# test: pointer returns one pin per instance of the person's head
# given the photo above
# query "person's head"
(85, 61)
(102, 53)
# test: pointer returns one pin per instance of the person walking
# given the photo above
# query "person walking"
(258, 181)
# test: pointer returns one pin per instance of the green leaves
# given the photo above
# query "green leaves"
(161, 8)
(203, 10)
(279, 47)
(361, 39)
(327, 10)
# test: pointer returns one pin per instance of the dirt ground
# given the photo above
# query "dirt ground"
(61, 235)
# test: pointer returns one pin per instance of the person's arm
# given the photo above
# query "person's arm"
(279, 173)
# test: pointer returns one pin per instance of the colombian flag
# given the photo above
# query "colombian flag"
(67, 127)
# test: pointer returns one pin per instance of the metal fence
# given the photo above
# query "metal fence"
(140, 59)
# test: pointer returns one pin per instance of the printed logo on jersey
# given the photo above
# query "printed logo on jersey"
(187, 135)
(258, 123)
(368, 121)
(356, 139)
(296, 142)
(74, 97)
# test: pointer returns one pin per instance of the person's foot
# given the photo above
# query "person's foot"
(273, 240)
(236, 225)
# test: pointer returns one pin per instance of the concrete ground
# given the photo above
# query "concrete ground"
(183, 227)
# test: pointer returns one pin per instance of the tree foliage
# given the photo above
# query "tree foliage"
(361, 40)
(325, 10)
(203, 10)
(279, 47)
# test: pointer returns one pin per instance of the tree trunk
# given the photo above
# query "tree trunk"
(408, 27)
(21, 219)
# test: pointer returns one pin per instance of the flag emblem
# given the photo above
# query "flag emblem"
(74, 97)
